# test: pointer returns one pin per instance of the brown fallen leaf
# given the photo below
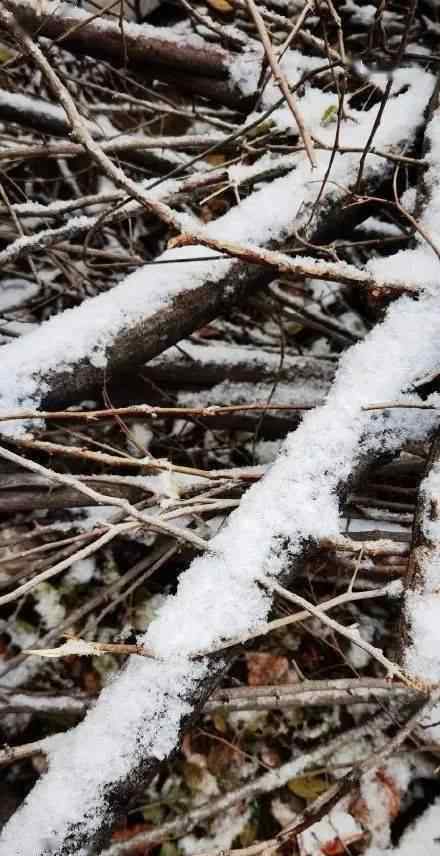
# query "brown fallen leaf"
(266, 669)
(339, 846)
(220, 6)
(390, 795)
(124, 835)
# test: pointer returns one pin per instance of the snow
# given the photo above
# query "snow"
(339, 824)
(422, 605)
(48, 605)
(383, 227)
(410, 93)
(246, 68)
(306, 474)
(420, 839)
(27, 104)
(68, 10)
(139, 714)
(243, 72)
(245, 359)
(15, 291)
(363, 15)
(81, 572)
(268, 214)
(224, 830)
(307, 394)
(79, 224)
(146, 7)
(421, 263)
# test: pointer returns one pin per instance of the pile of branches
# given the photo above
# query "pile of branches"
(219, 456)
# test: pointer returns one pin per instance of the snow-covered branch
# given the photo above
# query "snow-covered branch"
(158, 305)
(191, 62)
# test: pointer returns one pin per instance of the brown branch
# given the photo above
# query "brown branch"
(314, 693)
(337, 272)
(281, 81)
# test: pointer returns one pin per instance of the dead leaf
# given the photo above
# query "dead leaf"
(270, 757)
(91, 682)
(391, 796)
(129, 832)
(193, 757)
(339, 846)
(266, 669)
(222, 758)
(220, 6)
(208, 332)
(392, 793)
(248, 834)
(215, 158)
(220, 723)
(199, 779)
(168, 848)
(308, 787)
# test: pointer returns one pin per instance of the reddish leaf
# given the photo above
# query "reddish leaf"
(129, 832)
(266, 669)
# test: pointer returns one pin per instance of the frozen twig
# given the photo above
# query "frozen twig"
(319, 611)
(319, 693)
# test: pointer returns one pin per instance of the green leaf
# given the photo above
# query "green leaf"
(329, 115)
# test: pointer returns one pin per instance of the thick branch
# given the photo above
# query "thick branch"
(193, 64)
(237, 363)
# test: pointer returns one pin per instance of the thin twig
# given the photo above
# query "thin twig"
(281, 81)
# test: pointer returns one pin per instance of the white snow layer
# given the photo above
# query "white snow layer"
(420, 839)
(422, 262)
(139, 714)
(422, 604)
(267, 214)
